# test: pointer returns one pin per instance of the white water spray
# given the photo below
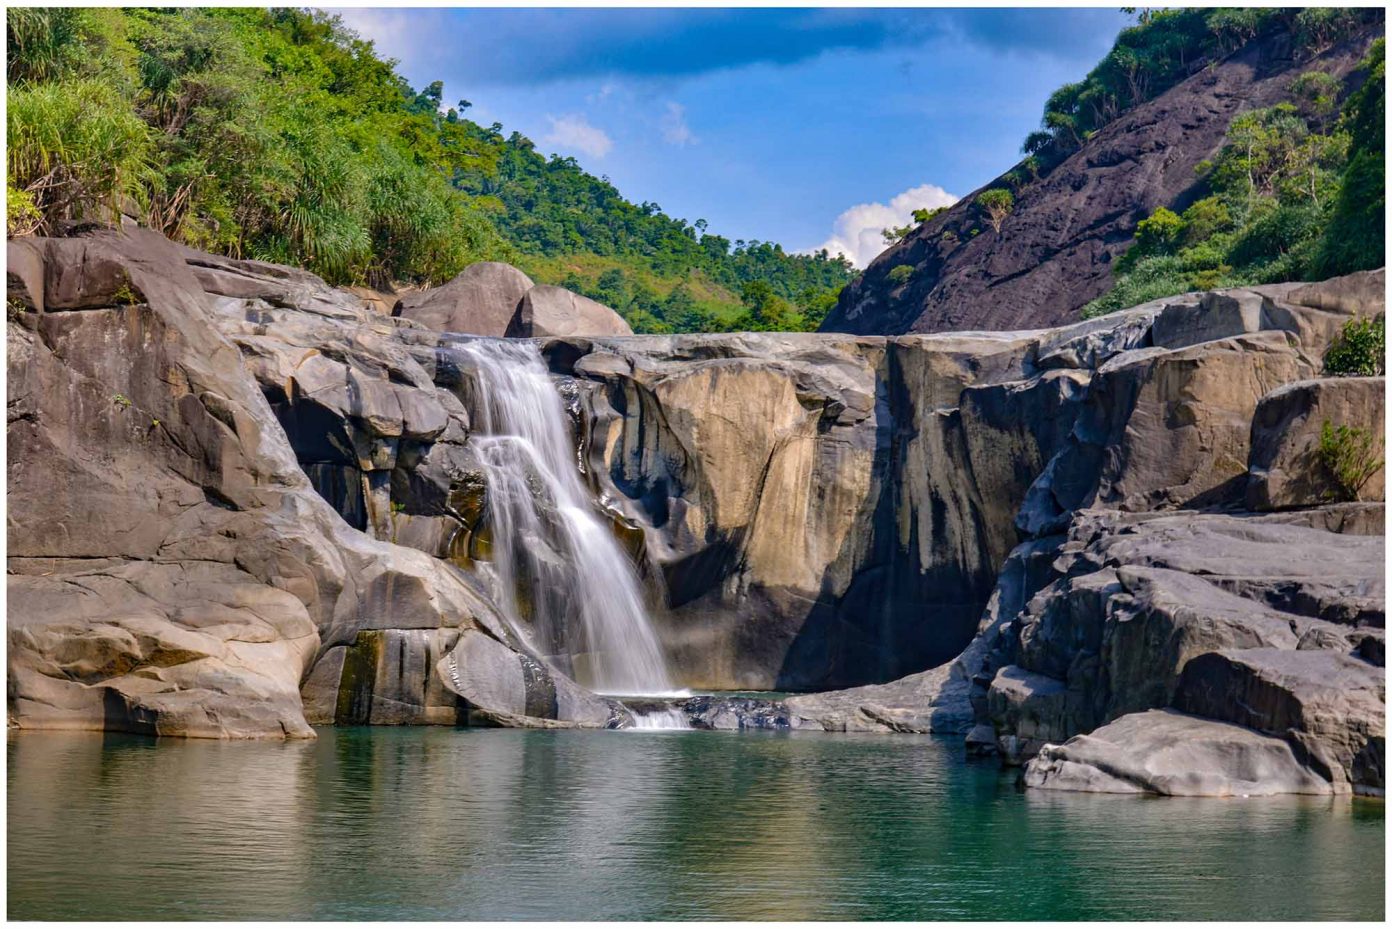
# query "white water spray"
(670, 718)
(548, 544)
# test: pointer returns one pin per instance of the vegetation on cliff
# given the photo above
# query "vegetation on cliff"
(1296, 192)
(280, 135)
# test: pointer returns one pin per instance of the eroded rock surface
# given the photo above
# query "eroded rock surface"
(546, 310)
(243, 502)
(171, 568)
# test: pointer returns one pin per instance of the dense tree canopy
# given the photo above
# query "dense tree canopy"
(279, 134)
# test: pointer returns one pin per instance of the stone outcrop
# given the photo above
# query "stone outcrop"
(1165, 752)
(554, 311)
(1056, 250)
(481, 300)
(244, 502)
(171, 568)
(1286, 467)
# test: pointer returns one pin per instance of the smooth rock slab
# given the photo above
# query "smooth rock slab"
(481, 300)
(554, 311)
(1166, 752)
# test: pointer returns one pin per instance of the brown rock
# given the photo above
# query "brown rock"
(481, 300)
(1285, 468)
(554, 311)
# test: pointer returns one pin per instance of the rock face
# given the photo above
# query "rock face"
(171, 568)
(243, 502)
(1286, 467)
(1054, 252)
(554, 311)
(481, 300)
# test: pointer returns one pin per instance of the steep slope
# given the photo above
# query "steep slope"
(1055, 251)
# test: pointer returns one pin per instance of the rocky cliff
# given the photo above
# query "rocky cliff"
(243, 502)
(1055, 251)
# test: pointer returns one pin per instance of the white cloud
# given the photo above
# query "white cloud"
(574, 131)
(399, 34)
(675, 131)
(857, 231)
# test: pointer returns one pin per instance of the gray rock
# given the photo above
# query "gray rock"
(1164, 752)
(481, 300)
(1329, 705)
(1285, 469)
(554, 311)
(244, 501)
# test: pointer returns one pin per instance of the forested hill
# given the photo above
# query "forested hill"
(1210, 148)
(280, 135)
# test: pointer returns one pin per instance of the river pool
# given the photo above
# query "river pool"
(500, 824)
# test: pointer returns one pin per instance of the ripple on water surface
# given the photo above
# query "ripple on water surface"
(496, 824)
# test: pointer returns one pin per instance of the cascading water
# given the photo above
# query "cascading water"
(671, 718)
(548, 544)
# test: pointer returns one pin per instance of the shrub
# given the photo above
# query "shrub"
(74, 147)
(900, 274)
(1351, 455)
(998, 204)
(1203, 219)
(1158, 233)
(1359, 350)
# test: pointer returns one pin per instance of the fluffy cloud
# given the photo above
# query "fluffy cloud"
(675, 131)
(857, 232)
(574, 132)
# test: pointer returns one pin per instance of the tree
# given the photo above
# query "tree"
(893, 235)
(997, 204)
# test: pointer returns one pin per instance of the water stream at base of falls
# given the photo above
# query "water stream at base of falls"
(671, 718)
(549, 544)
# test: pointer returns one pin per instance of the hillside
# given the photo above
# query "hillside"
(280, 135)
(1098, 169)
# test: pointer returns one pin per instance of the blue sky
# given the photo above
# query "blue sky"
(806, 127)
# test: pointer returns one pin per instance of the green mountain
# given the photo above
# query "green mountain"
(281, 135)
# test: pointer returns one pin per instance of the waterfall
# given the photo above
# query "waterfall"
(670, 718)
(548, 545)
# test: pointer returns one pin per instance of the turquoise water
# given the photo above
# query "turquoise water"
(497, 824)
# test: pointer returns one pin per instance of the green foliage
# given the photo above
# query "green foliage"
(1360, 350)
(1351, 455)
(74, 147)
(279, 134)
(1289, 198)
(1203, 220)
(998, 204)
(550, 208)
(1158, 233)
(900, 274)
(1356, 235)
(893, 235)
(1316, 94)
(1167, 46)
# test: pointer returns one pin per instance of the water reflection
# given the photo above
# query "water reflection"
(459, 824)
